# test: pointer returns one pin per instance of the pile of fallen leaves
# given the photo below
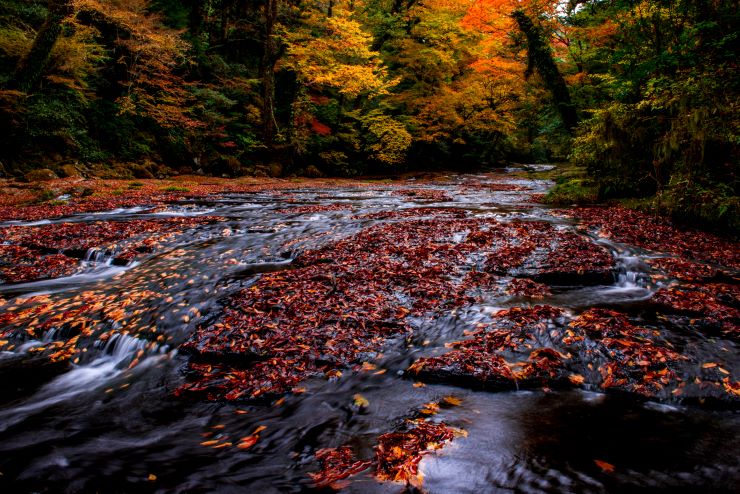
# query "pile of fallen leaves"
(658, 234)
(715, 304)
(397, 214)
(93, 195)
(64, 327)
(342, 303)
(523, 287)
(538, 250)
(431, 195)
(337, 309)
(530, 347)
(498, 186)
(397, 454)
(316, 208)
(684, 270)
(19, 264)
(627, 357)
(513, 352)
(30, 253)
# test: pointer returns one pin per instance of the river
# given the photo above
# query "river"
(103, 425)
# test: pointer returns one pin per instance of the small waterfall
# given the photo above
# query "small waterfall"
(98, 256)
(116, 354)
(51, 335)
(629, 272)
(122, 346)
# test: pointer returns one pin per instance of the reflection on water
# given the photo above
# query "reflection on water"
(105, 427)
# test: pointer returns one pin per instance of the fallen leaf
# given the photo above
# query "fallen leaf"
(576, 379)
(360, 401)
(452, 400)
(604, 466)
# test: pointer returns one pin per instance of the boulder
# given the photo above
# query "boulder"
(41, 175)
(141, 171)
(69, 171)
(276, 170)
(313, 172)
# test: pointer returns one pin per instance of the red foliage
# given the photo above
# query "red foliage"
(523, 287)
(398, 453)
(319, 100)
(431, 195)
(316, 208)
(481, 361)
(658, 234)
(26, 255)
(320, 128)
(337, 464)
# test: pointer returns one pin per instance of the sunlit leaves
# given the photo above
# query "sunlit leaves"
(334, 52)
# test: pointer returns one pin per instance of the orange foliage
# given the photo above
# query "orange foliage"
(150, 53)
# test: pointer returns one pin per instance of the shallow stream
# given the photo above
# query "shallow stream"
(104, 427)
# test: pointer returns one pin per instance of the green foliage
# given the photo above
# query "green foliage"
(664, 110)
(45, 195)
(175, 188)
(701, 204)
(611, 146)
(573, 191)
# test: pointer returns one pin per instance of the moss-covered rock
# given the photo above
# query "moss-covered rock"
(313, 172)
(573, 191)
(41, 175)
(69, 171)
(276, 170)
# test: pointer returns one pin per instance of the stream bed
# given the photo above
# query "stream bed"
(128, 407)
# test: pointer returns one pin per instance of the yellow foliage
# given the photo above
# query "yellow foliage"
(14, 41)
(334, 52)
(75, 57)
(388, 139)
(153, 51)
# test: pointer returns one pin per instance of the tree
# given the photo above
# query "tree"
(270, 56)
(31, 67)
(540, 57)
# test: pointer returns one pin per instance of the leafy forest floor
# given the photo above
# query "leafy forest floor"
(189, 329)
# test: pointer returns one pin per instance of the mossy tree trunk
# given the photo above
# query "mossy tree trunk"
(540, 58)
(31, 67)
(267, 69)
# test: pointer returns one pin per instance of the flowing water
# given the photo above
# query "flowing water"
(105, 427)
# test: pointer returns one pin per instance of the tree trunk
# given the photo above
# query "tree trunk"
(31, 67)
(540, 58)
(267, 69)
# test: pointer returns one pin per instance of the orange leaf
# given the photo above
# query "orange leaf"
(604, 466)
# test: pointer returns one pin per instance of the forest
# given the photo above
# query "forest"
(641, 95)
(369, 246)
